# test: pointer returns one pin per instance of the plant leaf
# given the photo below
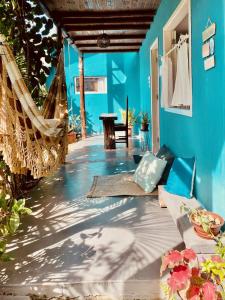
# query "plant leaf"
(179, 278)
(209, 291)
(14, 222)
(6, 257)
(189, 254)
(2, 246)
(193, 293)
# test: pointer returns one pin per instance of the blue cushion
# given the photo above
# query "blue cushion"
(181, 177)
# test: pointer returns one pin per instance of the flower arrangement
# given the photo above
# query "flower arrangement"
(193, 280)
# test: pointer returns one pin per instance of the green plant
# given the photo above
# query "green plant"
(32, 37)
(132, 117)
(202, 218)
(11, 211)
(145, 119)
(74, 123)
(193, 280)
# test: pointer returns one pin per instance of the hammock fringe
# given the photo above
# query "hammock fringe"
(31, 139)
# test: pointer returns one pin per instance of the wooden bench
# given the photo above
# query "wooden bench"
(190, 238)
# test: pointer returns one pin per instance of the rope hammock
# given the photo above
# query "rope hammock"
(31, 139)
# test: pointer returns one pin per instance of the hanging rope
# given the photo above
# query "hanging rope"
(69, 61)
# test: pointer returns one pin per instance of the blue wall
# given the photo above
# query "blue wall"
(122, 72)
(203, 134)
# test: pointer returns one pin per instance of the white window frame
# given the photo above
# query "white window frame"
(172, 23)
(98, 92)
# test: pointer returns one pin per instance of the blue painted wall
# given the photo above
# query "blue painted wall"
(122, 72)
(203, 134)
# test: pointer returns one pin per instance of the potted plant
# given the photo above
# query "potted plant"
(145, 121)
(132, 119)
(190, 279)
(74, 128)
(206, 224)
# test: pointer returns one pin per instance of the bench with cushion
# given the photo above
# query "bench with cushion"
(190, 238)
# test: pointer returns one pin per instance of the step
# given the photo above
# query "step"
(7, 297)
(190, 238)
(106, 290)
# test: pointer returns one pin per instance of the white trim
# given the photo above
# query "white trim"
(177, 16)
(155, 45)
(105, 91)
(179, 111)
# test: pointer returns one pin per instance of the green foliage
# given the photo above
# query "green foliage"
(10, 219)
(132, 117)
(75, 123)
(29, 33)
(201, 217)
(145, 119)
(214, 268)
(220, 247)
(166, 291)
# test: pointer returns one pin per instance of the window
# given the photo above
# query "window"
(92, 85)
(178, 29)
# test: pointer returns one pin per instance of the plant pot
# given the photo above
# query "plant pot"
(214, 229)
(130, 128)
(71, 137)
(144, 127)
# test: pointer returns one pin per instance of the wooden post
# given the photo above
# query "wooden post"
(59, 40)
(82, 98)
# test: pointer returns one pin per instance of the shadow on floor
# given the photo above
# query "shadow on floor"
(71, 239)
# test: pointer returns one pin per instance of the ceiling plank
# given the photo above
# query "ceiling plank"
(89, 27)
(117, 20)
(109, 50)
(59, 15)
(111, 44)
(112, 37)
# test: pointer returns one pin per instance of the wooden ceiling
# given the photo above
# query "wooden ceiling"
(124, 21)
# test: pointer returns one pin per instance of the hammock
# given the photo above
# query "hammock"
(31, 139)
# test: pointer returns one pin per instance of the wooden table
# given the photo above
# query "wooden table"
(109, 133)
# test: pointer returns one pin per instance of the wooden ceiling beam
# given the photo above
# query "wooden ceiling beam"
(111, 45)
(111, 36)
(109, 50)
(89, 27)
(117, 20)
(60, 14)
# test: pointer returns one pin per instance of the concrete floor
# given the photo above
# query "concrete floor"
(76, 246)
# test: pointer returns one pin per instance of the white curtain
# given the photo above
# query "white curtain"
(182, 90)
(167, 81)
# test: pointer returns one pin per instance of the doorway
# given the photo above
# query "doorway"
(155, 96)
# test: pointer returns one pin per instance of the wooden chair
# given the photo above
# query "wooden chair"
(123, 127)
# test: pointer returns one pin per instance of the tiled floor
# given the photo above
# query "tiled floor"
(78, 247)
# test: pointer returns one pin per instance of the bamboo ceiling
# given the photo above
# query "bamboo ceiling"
(124, 21)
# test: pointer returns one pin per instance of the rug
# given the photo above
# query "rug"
(116, 185)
